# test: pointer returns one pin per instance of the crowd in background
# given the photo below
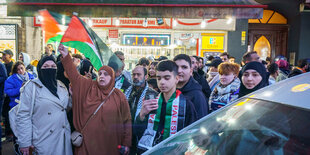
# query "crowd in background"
(136, 109)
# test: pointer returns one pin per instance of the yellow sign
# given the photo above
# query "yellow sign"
(213, 42)
(301, 88)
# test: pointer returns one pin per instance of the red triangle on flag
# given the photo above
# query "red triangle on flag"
(76, 32)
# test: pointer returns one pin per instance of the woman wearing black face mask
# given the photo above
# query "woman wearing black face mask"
(43, 125)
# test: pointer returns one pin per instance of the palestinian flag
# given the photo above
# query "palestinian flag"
(52, 25)
(81, 37)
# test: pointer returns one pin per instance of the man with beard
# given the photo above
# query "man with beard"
(199, 78)
(135, 94)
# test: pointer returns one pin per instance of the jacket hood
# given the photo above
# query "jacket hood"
(191, 85)
(26, 59)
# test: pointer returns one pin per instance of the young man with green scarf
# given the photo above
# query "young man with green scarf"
(167, 114)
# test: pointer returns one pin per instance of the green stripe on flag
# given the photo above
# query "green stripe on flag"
(55, 39)
(86, 50)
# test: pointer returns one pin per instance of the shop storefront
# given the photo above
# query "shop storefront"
(9, 38)
(154, 37)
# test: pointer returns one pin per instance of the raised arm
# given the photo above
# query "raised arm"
(75, 78)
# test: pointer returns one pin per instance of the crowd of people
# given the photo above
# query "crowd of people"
(115, 111)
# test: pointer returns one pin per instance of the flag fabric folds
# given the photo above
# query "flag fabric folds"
(81, 37)
(51, 25)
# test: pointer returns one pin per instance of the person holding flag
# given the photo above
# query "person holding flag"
(110, 126)
(165, 116)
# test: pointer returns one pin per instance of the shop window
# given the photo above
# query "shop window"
(270, 17)
(262, 47)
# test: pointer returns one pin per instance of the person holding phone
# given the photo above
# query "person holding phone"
(135, 94)
(169, 113)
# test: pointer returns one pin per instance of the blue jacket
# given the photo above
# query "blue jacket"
(3, 76)
(12, 86)
(193, 92)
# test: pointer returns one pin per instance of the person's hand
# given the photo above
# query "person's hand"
(127, 150)
(26, 150)
(70, 89)
(63, 50)
(147, 107)
(88, 74)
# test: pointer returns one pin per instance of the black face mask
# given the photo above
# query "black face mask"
(48, 78)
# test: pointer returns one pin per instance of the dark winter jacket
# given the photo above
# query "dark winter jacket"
(193, 92)
(8, 68)
(204, 84)
(3, 76)
(295, 72)
(12, 87)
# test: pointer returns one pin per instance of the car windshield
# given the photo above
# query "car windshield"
(248, 126)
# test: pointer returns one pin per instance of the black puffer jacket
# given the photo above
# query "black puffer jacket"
(193, 92)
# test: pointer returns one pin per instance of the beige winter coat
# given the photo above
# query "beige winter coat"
(47, 128)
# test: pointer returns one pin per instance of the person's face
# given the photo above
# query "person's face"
(118, 73)
(103, 78)
(49, 65)
(226, 79)
(255, 57)
(166, 81)
(21, 69)
(152, 71)
(138, 74)
(232, 60)
(224, 58)
(121, 57)
(76, 61)
(251, 78)
(184, 70)
(194, 64)
(200, 63)
(21, 57)
(6, 58)
(213, 69)
(50, 48)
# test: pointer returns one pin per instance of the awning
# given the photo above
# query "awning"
(240, 9)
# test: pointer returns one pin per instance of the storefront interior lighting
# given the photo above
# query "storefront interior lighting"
(90, 22)
(203, 23)
(173, 46)
(145, 22)
(63, 20)
(41, 18)
(117, 22)
(175, 23)
(229, 20)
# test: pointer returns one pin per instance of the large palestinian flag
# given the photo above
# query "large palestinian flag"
(53, 25)
(81, 37)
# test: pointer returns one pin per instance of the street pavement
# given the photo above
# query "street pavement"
(7, 148)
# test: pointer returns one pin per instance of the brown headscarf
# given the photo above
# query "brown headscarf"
(107, 89)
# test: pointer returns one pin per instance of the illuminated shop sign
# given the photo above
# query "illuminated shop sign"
(146, 39)
(213, 41)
